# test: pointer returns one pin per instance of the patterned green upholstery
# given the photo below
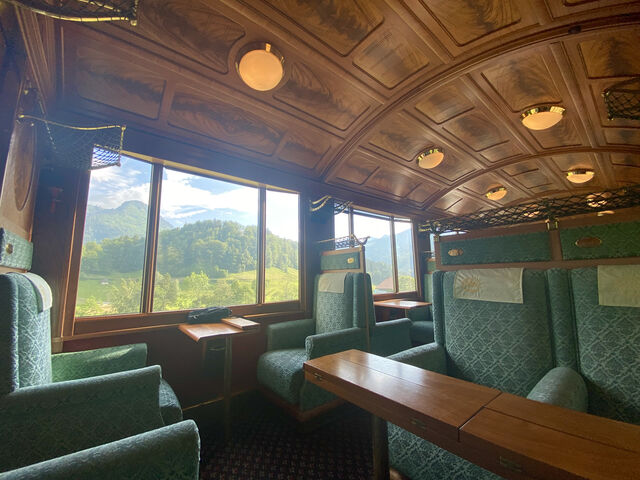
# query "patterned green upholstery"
(502, 345)
(25, 349)
(608, 350)
(25, 345)
(562, 318)
(289, 344)
(51, 420)
(619, 240)
(175, 451)
(89, 363)
(561, 386)
(422, 318)
(419, 459)
(527, 247)
(15, 251)
(340, 261)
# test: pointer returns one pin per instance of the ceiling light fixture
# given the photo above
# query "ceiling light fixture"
(497, 193)
(580, 175)
(430, 158)
(541, 118)
(260, 66)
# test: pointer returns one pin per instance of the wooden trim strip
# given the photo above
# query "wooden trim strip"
(151, 244)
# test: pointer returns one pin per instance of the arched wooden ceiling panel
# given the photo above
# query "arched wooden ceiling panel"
(370, 84)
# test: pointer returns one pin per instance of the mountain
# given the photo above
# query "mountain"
(129, 219)
(224, 214)
(379, 250)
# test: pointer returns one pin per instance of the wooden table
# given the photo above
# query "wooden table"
(202, 333)
(509, 435)
(387, 306)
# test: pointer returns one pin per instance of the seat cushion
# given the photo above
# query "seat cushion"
(281, 372)
(169, 404)
(421, 332)
(416, 458)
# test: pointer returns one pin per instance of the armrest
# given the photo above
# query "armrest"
(334, 342)
(430, 357)
(391, 337)
(561, 386)
(89, 363)
(167, 452)
(289, 334)
(48, 421)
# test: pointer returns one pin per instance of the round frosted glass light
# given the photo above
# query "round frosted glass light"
(580, 175)
(541, 118)
(496, 193)
(430, 158)
(261, 67)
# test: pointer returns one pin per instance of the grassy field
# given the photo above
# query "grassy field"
(118, 294)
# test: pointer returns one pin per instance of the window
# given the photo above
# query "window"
(113, 247)
(199, 246)
(389, 249)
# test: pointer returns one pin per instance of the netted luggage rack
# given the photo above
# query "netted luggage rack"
(84, 10)
(623, 100)
(544, 209)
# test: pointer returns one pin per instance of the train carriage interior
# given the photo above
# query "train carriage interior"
(319, 239)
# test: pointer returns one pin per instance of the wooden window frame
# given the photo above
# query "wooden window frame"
(147, 318)
(392, 219)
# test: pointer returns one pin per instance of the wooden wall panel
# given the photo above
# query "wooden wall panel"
(305, 150)
(391, 57)
(211, 117)
(340, 24)
(357, 169)
(322, 95)
(476, 130)
(614, 55)
(445, 103)
(192, 28)
(112, 80)
(468, 21)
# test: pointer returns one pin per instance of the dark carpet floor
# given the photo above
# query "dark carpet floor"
(268, 444)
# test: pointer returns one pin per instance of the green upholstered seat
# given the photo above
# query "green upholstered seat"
(421, 318)
(55, 405)
(502, 345)
(337, 325)
(608, 345)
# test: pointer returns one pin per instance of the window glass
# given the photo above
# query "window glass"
(341, 225)
(377, 250)
(207, 243)
(404, 256)
(113, 246)
(281, 254)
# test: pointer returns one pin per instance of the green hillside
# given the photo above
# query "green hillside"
(200, 264)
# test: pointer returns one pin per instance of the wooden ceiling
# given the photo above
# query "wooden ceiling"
(370, 83)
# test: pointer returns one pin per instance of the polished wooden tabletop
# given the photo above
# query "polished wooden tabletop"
(401, 303)
(207, 331)
(411, 397)
(507, 434)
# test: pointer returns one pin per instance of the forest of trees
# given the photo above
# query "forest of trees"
(205, 263)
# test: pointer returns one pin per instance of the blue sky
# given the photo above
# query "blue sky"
(185, 195)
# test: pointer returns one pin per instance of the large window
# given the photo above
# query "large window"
(199, 242)
(388, 251)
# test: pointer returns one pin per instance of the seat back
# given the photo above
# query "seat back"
(335, 306)
(502, 345)
(25, 335)
(608, 340)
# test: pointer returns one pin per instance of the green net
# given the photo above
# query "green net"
(623, 100)
(84, 10)
(84, 148)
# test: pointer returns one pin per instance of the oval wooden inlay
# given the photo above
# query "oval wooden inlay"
(588, 242)
(455, 252)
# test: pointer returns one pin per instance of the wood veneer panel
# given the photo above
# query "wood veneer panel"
(614, 55)
(322, 95)
(542, 452)
(391, 58)
(340, 24)
(468, 21)
(192, 28)
(445, 103)
(408, 396)
(202, 114)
